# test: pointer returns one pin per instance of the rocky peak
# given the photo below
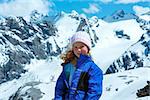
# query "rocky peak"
(24, 41)
(131, 58)
(118, 16)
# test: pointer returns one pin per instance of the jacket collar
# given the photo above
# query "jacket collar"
(82, 59)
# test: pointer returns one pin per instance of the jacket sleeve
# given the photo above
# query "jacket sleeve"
(95, 83)
(60, 88)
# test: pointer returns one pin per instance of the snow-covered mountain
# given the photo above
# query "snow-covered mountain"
(137, 54)
(20, 39)
(119, 15)
(29, 53)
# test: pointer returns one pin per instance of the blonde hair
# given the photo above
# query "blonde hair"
(69, 56)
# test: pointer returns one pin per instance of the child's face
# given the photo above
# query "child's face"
(80, 48)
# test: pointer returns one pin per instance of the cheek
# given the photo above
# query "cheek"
(84, 51)
(75, 51)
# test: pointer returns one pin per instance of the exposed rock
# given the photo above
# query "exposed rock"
(144, 91)
(28, 92)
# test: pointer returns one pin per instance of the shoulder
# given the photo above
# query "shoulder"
(94, 68)
(92, 65)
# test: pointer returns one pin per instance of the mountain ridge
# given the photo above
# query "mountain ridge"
(119, 15)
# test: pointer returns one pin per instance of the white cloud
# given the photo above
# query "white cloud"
(131, 1)
(103, 1)
(122, 1)
(140, 10)
(93, 8)
(24, 7)
(60, 0)
(106, 1)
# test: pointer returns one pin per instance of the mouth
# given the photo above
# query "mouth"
(78, 53)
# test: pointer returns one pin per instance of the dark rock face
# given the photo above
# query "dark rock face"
(28, 92)
(131, 59)
(22, 41)
(14, 67)
(85, 26)
(145, 91)
(120, 34)
(143, 24)
(124, 63)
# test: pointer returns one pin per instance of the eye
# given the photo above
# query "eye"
(82, 46)
(75, 47)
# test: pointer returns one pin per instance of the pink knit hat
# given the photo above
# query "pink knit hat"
(83, 37)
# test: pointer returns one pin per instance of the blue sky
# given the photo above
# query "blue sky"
(90, 8)
(101, 8)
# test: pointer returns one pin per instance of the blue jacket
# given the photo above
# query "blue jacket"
(86, 82)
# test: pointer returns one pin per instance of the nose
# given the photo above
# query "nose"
(78, 50)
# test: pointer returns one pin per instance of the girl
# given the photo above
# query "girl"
(81, 78)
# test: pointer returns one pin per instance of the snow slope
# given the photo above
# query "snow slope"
(118, 86)
(124, 85)
(109, 47)
(42, 71)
